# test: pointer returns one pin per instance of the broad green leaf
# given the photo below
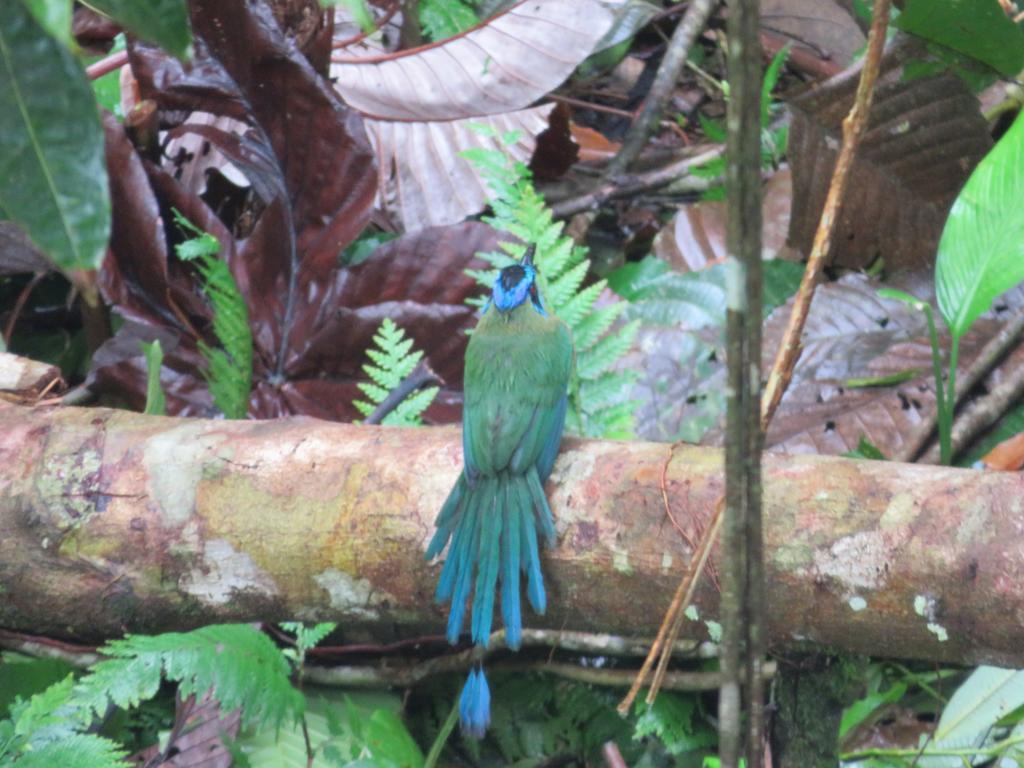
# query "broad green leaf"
(164, 22)
(55, 17)
(981, 252)
(978, 28)
(53, 181)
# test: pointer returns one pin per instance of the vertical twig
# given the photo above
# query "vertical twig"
(853, 129)
(742, 606)
(664, 81)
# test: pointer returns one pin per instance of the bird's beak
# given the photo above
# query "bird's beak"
(527, 260)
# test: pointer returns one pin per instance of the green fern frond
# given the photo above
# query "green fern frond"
(593, 325)
(77, 750)
(392, 361)
(520, 210)
(237, 663)
(229, 368)
(563, 288)
(581, 305)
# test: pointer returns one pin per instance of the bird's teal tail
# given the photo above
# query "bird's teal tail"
(475, 704)
(494, 524)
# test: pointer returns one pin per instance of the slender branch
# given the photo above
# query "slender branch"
(854, 126)
(19, 305)
(106, 65)
(612, 756)
(664, 81)
(638, 182)
(391, 674)
(422, 375)
(991, 751)
(742, 608)
(993, 351)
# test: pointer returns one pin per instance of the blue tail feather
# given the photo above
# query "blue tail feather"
(475, 705)
(531, 564)
(488, 564)
(511, 611)
(540, 504)
(465, 557)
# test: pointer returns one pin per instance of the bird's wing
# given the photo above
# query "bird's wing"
(516, 398)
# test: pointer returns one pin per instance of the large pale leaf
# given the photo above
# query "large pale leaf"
(501, 66)
(419, 105)
(52, 178)
(424, 181)
(981, 253)
(988, 695)
(924, 137)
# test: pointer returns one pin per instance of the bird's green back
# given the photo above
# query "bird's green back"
(517, 371)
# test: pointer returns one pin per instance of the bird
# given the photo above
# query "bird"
(517, 367)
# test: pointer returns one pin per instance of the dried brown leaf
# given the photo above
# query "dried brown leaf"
(924, 137)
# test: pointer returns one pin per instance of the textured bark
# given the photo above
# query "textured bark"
(113, 521)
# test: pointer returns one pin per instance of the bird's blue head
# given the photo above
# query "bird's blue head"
(517, 283)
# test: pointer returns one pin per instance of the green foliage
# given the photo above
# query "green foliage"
(976, 28)
(53, 180)
(23, 676)
(38, 734)
(54, 16)
(241, 668)
(236, 662)
(595, 391)
(981, 722)
(347, 731)
(658, 295)
(308, 637)
(359, 10)
(164, 22)
(156, 403)
(535, 717)
(76, 750)
(442, 19)
(773, 140)
(865, 450)
(230, 367)
(393, 360)
(981, 255)
(981, 252)
(673, 719)
(108, 88)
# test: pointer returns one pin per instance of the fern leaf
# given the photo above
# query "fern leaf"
(41, 712)
(591, 327)
(607, 350)
(579, 306)
(229, 369)
(606, 390)
(393, 360)
(78, 750)
(237, 663)
(562, 289)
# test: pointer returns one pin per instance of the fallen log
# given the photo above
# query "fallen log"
(113, 521)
